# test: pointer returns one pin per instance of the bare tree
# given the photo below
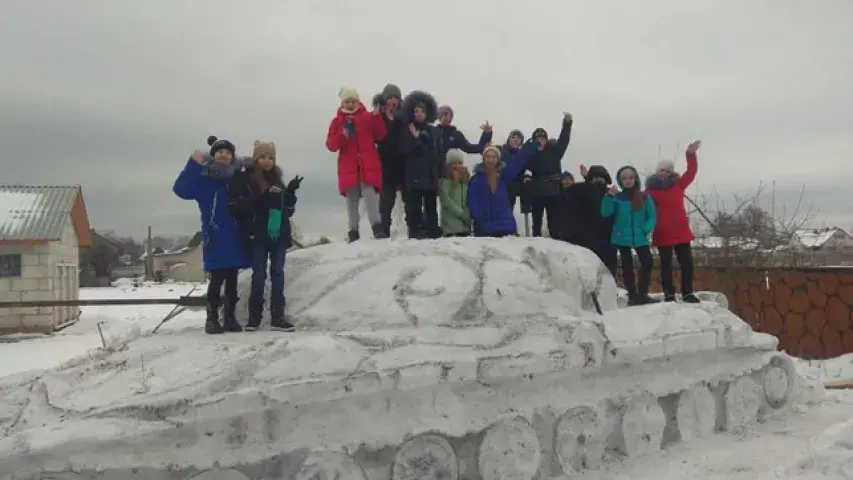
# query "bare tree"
(747, 232)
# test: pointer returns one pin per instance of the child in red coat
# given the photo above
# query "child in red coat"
(672, 231)
(353, 134)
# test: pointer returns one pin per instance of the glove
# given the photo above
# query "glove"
(293, 185)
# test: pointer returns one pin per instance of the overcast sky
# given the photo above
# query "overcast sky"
(115, 95)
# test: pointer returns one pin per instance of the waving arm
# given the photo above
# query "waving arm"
(519, 162)
(564, 138)
(188, 184)
(692, 170)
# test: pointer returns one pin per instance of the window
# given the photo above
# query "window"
(10, 265)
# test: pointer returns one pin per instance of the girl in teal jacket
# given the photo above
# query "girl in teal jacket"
(634, 219)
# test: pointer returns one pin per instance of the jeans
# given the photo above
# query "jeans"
(684, 254)
(637, 289)
(274, 252)
(226, 276)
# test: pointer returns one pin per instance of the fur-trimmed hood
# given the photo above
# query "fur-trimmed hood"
(599, 171)
(415, 98)
(656, 182)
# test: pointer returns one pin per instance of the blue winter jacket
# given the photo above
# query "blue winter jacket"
(631, 228)
(221, 246)
(492, 211)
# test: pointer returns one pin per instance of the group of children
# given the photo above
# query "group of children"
(410, 145)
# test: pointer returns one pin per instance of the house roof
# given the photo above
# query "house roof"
(816, 238)
(35, 214)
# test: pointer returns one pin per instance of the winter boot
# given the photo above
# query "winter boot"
(645, 300)
(690, 298)
(669, 297)
(229, 320)
(211, 323)
(278, 322)
(378, 231)
(353, 236)
(256, 309)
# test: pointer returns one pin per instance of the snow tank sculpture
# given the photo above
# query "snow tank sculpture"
(449, 359)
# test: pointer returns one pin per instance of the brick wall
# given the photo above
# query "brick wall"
(809, 310)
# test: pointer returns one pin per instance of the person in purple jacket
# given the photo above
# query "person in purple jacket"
(205, 179)
(488, 193)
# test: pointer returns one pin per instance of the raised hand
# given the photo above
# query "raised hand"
(413, 130)
(584, 171)
(694, 147)
(613, 191)
(486, 127)
(198, 156)
(567, 117)
(294, 183)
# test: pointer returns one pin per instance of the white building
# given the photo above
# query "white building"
(833, 238)
(41, 231)
(182, 264)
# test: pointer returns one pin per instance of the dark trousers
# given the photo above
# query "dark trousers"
(546, 207)
(637, 288)
(422, 214)
(457, 234)
(219, 277)
(387, 199)
(684, 254)
(268, 256)
(607, 254)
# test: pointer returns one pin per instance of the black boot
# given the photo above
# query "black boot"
(211, 324)
(379, 231)
(669, 297)
(353, 236)
(690, 298)
(229, 320)
(278, 322)
(256, 308)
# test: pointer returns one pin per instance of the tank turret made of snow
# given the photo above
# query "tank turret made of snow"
(475, 359)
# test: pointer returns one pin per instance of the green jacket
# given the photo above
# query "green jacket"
(455, 217)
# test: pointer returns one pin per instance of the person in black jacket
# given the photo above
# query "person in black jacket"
(393, 160)
(582, 223)
(262, 206)
(452, 137)
(421, 145)
(546, 172)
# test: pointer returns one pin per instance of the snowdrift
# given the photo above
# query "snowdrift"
(455, 359)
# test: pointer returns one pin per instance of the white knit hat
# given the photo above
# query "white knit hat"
(665, 164)
(454, 155)
(348, 93)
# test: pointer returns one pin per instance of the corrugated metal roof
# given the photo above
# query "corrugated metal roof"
(35, 212)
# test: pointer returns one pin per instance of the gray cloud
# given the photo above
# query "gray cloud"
(116, 98)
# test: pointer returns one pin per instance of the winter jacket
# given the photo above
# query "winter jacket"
(451, 137)
(631, 228)
(423, 157)
(491, 211)
(673, 226)
(455, 217)
(221, 246)
(548, 162)
(251, 208)
(581, 220)
(358, 158)
(392, 159)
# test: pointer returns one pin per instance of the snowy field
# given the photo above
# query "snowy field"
(810, 442)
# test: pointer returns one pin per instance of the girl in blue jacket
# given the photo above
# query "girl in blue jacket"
(205, 179)
(488, 194)
(634, 219)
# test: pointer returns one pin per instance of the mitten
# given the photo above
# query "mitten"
(293, 184)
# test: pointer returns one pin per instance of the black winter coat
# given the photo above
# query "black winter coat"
(580, 217)
(423, 157)
(251, 208)
(548, 162)
(392, 158)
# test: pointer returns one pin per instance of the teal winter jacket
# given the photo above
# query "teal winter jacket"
(631, 228)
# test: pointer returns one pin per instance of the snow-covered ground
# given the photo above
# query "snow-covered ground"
(811, 440)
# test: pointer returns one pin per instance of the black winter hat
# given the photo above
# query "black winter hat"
(391, 90)
(598, 171)
(539, 132)
(217, 144)
(515, 133)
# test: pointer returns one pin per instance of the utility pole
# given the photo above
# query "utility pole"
(149, 258)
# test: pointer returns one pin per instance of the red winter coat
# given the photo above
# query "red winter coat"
(358, 158)
(672, 225)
